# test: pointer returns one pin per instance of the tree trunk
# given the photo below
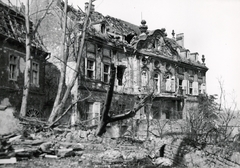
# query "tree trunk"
(63, 66)
(61, 104)
(28, 63)
(105, 119)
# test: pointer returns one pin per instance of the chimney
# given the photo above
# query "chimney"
(180, 39)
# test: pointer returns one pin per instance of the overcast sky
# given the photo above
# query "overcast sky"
(210, 27)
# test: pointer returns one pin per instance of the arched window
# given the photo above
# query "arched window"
(156, 80)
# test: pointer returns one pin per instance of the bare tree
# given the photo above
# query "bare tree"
(63, 65)
(58, 105)
(28, 42)
(28, 62)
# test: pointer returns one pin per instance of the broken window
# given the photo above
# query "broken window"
(156, 79)
(35, 73)
(120, 72)
(13, 65)
(90, 71)
(106, 73)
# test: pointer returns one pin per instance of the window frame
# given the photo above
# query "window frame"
(157, 82)
(146, 78)
(13, 74)
(32, 73)
(88, 69)
(106, 73)
(120, 74)
(190, 88)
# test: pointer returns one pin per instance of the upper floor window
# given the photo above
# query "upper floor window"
(13, 66)
(106, 73)
(120, 72)
(90, 69)
(190, 88)
(170, 83)
(156, 79)
(144, 78)
(35, 73)
(180, 87)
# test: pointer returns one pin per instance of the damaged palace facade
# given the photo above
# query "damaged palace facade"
(146, 61)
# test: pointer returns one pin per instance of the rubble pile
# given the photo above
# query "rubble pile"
(89, 149)
(15, 148)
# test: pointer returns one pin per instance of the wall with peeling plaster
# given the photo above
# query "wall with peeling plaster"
(11, 90)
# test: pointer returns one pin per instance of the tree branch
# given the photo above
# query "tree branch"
(105, 117)
(131, 113)
(43, 16)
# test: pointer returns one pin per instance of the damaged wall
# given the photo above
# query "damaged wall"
(12, 76)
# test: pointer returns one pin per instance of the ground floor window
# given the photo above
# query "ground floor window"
(93, 112)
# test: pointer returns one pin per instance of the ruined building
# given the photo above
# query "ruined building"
(12, 63)
(146, 61)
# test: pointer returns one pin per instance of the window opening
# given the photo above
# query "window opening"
(190, 88)
(120, 72)
(156, 82)
(35, 73)
(13, 60)
(90, 69)
(106, 73)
